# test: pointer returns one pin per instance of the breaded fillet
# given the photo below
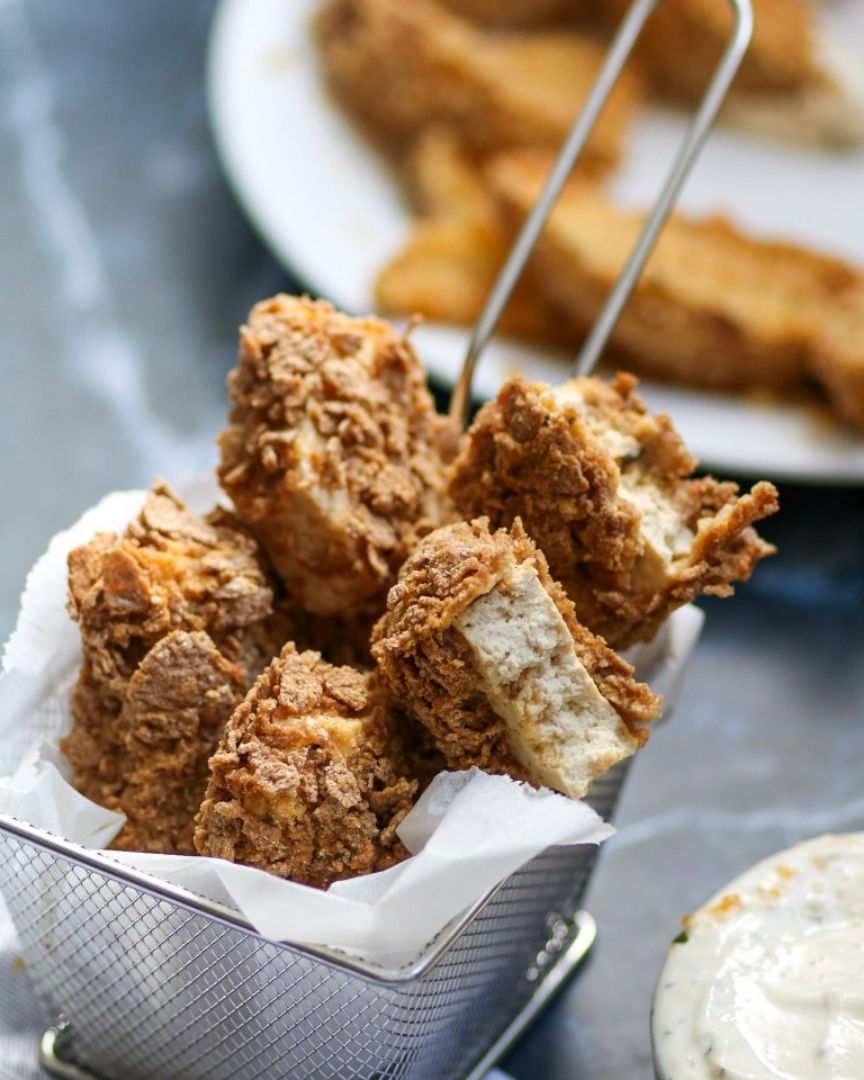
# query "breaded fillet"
(176, 619)
(518, 12)
(793, 82)
(456, 250)
(398, 67)
(483, 647)
(334, 453)
(606, 491)
(713, 307)
(838, 360)
(310, 780)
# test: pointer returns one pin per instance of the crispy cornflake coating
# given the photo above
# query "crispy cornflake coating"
(334, 456)
(484, 648)
(176, 619)
(398, 67)
(310, 780)
(606, 491)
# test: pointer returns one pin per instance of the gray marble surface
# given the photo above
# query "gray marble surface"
(126, 267)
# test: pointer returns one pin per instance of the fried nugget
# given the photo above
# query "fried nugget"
(311, 779)
(176, 619)
(606, 491)
(334, 455)
(838, 360)
(794, 81)
(519, 12)
(713, 307)
(455, 251)
(484, 648)
(398, 67)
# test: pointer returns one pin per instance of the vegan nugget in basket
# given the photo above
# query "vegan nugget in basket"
(606, 490)
(311, 778)
(334, 456)
(176, 619)
(484, 648)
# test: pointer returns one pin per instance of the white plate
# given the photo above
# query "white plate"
(329, 209)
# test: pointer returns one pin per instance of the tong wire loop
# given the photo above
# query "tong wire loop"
(619, 52)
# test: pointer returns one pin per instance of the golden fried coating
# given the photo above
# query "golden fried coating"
(455, 251)
(399, 67)
(789, 84)
(176, 619)
(518, 12)
(838, 360)
(334, 454)
(606, 491)
(310, 780)
(484, 648)
(713, 307)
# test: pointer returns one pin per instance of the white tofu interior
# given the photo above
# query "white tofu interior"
(664, 533)
(560, 727)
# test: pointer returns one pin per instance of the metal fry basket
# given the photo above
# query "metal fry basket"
(142, 980)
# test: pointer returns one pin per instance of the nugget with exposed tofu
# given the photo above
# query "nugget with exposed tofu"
(311, 779)
(606, 491)
(334, 454)
(484, 648)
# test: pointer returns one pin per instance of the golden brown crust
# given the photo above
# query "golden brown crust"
(310, 780)
(457, 247)
(838, 362)
(399, 67)
(518, 12)
(531, 456)
(713, 308)
(177, 611)
(334, 454)
(426, 664)
(683, 41)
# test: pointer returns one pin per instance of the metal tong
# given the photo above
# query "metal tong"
(703, 120)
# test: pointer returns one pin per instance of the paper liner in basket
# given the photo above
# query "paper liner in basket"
(467, 833)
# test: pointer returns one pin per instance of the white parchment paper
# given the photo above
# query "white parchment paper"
(467, 833)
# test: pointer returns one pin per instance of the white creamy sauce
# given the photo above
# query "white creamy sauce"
(770, 980)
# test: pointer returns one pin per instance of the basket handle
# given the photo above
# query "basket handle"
(619, 52)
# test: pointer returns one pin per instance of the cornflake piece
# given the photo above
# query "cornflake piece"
(310, 780)
(334, 455)
(606, 491)
(484, 648)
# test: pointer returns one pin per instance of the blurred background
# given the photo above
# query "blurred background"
(126, 268)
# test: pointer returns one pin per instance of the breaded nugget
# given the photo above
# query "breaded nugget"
(399, 67)
(334, 453)
(519, 12)
(838, 360)
(310, 780)
(606, 491)
(176, 619)
(793, 82)
(713, 307)
(455, 251)
(483, 647)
